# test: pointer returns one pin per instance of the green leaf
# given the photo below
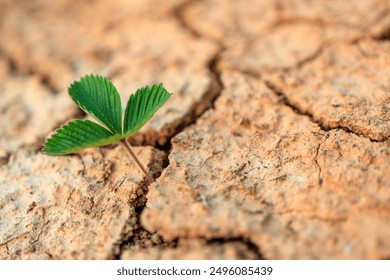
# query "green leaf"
(141, 107)
(77, 135)
(98, 97)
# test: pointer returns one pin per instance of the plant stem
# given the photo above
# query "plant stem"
(127, 146)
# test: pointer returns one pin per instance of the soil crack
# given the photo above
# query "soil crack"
(138, 235)
(384, 35)
(198, 109)
(316, 161)
(213, 92)
(306, 60)
(10, 62)
(216, 85)
(178, 14)
(247, 242)
(299, 111)
(293, 212)
(11, 238)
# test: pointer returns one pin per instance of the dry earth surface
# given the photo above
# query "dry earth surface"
(274, 145)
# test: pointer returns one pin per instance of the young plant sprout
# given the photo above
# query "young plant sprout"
(98, 97)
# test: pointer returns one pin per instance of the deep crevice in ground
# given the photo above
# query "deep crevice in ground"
(211, 94)
(299, 111)
(206, 103)
(139, 237)
(216, 86)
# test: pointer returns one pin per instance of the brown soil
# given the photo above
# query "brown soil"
(275, 144)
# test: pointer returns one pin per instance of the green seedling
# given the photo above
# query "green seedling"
(98, 97)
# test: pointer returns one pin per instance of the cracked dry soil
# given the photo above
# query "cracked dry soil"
(275, 144)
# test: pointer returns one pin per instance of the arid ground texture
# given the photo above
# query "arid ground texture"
(274, 145)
